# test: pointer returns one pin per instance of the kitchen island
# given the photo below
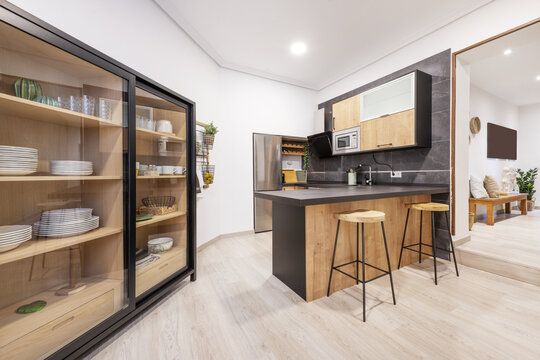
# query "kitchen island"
(304, 227)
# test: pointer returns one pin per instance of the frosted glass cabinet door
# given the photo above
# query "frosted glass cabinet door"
(62, 149)
(390, 98)
(161, 238)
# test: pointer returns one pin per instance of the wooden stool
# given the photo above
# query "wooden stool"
(432, 207)
(361, 217)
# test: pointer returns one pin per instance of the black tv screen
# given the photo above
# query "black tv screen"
(501, 142)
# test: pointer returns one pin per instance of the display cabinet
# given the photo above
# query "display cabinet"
(87, 239)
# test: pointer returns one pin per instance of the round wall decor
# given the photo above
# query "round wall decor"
(475, 125)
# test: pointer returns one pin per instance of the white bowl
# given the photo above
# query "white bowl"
(159, 245)
(164, 126)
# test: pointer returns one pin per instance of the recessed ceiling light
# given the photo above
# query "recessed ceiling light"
(298, 48)
(538, 78)
(507, 51)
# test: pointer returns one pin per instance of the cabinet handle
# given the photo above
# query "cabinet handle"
(63, 322)
(333, 123)
(385, 115)
(388, 144)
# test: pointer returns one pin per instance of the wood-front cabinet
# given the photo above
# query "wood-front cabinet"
(396, 114)
(346, 113)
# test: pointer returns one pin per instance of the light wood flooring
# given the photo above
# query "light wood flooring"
(238, 310)
(510, 248)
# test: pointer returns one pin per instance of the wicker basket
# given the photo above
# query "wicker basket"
(159, 201)
(209, 140)
(157, 210)
(208, 173)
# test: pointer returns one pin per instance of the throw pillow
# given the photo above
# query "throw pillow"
(477, 188)
(492, 187)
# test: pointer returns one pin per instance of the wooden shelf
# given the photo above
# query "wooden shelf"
(160, 218)
(13, 106)
(149, 134)
(169, 262)
(161, 177)
(13, 326)
(294, 154)
(44, 245)
(293, 146)
(27, 178)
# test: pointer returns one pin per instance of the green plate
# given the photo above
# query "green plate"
(143, 217)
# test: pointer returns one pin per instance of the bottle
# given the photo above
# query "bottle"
(352, 176)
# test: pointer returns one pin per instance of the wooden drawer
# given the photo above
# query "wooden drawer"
(55, 334)
(169, 263)
(390, 131)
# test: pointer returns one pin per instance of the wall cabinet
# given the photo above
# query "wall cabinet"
(346, 113)
(394, 115)
(69, 143)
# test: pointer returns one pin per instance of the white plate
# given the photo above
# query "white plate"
(76, 223)
(6, 229)
(61, 235)
(15, 233)
(9, 247)
(17, 148)
(60, 173)
(5, 243)
(16, 172)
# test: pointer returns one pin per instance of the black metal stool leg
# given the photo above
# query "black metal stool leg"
(420, 244)
(333, 259)
(388, 262)
(403, 241)
(451, 242)
(433, 245)
(357, 252)
(363, 273)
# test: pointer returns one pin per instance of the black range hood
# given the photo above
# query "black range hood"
(321, 144)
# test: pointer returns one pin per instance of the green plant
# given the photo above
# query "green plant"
(211, 129)
(306, 156)
(526, 180)
(197, 147)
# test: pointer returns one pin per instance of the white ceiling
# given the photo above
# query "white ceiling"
(342, 36)
(509, 77)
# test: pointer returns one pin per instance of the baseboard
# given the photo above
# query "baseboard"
(462, 241)
(223, 236)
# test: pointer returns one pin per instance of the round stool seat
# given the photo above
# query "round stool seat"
(430, 206)
(361, 216)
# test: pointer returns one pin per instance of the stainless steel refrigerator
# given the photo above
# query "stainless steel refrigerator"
(266, 176)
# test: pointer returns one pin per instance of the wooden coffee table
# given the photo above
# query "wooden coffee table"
(490, 204)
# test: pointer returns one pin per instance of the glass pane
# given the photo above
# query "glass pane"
(161, 190)
(390, 98)
(62, 190)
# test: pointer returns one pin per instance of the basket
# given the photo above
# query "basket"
(209, 140)
(208, 173)
(159, 201)
(157, 210)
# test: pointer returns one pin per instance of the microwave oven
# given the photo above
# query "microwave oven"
(346, 141)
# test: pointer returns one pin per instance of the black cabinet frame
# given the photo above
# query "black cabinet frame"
(18, 18)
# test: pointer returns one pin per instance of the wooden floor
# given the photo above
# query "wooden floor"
(238, 310)
(510, 248)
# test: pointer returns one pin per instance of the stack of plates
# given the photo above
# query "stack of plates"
(66, 222)
(16, 160)
(70, 167)
(12, 236)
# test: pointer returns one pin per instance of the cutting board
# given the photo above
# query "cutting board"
(290, 176)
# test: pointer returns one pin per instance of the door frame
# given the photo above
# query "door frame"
(453, 109)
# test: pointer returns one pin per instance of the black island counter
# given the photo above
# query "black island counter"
(304, 226)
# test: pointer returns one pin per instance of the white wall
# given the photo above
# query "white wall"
(528, 138)
(140, 35)
(492, 109)
(490, 20)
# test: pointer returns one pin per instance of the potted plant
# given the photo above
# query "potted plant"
(210, 132)
(301, 176)
(525, 181)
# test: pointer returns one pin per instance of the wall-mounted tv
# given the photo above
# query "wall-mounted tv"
(501, 142)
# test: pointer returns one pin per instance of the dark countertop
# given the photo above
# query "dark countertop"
(344, 193)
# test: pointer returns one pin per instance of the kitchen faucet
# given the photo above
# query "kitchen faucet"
(369, 180)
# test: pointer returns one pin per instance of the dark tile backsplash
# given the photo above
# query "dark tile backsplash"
(419, 166)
